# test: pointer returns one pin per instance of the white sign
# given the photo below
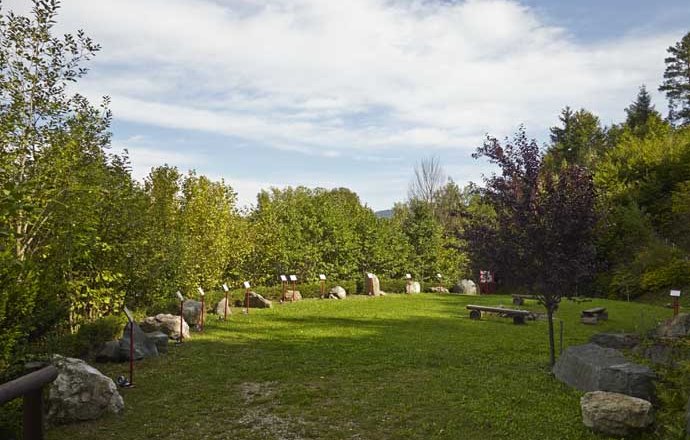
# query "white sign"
(225, 287)
(246, 285)
(283, 278)
(675, 293)
(408, 276)
(370, 275)
(293, 277)
(128, 314)
(201, 291)
(179, 295)
(322, 277)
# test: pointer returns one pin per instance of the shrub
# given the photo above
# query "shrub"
(94, 334)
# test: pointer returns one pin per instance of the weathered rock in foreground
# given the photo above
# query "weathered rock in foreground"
(413, 287)
(677, 327)
(337, 293)
(143, 346)
(615, 340)
(257, 301)
(167, 323)
(191, 311)
(293, 295)
(615, 414)
(80, 392)
(220, 308)
(590, 367)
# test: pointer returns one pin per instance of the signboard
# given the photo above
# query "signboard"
(293, 277)
(179, 295)
(201, 291)
(675, 293)
(225, 287)
(370, 275)
(128, 314)
(408, 276)
(246, 285)
(283, 278)
(439, 276)
(485, 276)
(322, 277)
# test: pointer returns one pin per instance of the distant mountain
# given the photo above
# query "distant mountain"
(388, 213)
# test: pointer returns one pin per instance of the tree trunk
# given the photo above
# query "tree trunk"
(552, 342)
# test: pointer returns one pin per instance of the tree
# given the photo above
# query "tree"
(544, 240)
(640, 111)
(428, 179)
(580, 140)
(677, 81)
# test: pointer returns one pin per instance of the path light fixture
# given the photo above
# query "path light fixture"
(283, 283)
(181, 299)
(408, 277)
(440, 283)
(130, 318)
(293, 278)
(226, 290)
(370, 277)
(246, 296)
(676, 301)
(203, 307)
(322, 278)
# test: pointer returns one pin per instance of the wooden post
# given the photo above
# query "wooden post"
(181, 320)
(246, 300)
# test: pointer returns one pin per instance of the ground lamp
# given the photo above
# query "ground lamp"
(370, 282)
(246, 296)
(131, 349)
(408, 277)
(203, 307)
(676, 301)
(225, 312)
(322, 277)
(293, 278)
(181, 299)
(283, 283)
(440, 283)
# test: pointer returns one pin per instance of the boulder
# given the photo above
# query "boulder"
(257, 301)
(80, 392)
(167, 323)
(615, 340)
(337, 293)
(293, 295)
(110, 352)
(372, 286)
(468, 287)
(659, 352)
(615, 414)
(160, 339)
(191, 311)
(413, 287)
(439, 289)
(143, 346)
(677, 327)
(590, 367)
(220, 308)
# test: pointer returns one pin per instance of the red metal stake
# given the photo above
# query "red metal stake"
(203, 308)
(131, 353)
(181, 319)
(246, 300)
(292, 297)
(283, 286)
(676, 306)
(225, 317)
(323, 288)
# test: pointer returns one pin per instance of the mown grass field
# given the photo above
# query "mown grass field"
(395, 367)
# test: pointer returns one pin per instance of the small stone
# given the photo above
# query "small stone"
(615, 414)
(337, 292)
(167, 323)
(413, 287)
(143, 347)
(160, 339)
(615, 340)
(220, 308)
(191, 310)
(259, 302)
(293, 295)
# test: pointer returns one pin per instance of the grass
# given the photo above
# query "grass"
(395, 367)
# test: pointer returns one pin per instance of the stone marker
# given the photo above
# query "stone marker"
(590, 367)
(160, 339)
(337, 292)
(615, 414)
(80, 392)
(677, 327)
(143, 346)
(192, 312)
(468, 287)
(257, 301)
(615, 340)
(413, 287)
(375, 285)
(167, 323)
(220, 308)
(439, 289)
(291, 295)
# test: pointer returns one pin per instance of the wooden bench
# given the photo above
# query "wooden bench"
(594, 315)
(518, 316)
(519, 300)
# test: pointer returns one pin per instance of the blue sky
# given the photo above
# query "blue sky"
(352, 94)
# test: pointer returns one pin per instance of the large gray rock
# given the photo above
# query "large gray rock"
(110, 352)
(191, 311)
(80, 392)
(160, 339)
(220, 308)
(372, 286)
(144, 347)
(615, 414)
(337, 293)
(677, 327)
(413, 287)
(615, 340)
(468, 287)
(293, 295)
(590, 367)
(167, 323)
(257, 301)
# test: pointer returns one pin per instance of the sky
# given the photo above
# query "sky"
(354, 93)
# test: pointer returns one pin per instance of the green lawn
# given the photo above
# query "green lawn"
(395, 367)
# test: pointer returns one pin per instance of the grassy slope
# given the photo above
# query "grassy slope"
(365, 368)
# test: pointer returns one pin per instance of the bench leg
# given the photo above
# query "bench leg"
(518, 320)
(517, 301)
(475, 314)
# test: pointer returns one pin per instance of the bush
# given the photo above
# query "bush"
(94, 334)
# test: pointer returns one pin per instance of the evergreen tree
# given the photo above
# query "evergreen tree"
(639, 112)
(578, 141)
(677, 81)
